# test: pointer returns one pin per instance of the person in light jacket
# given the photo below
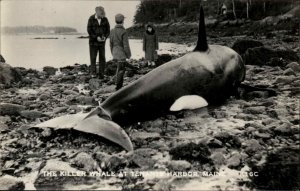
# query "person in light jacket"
(150, 45)
(119, 45)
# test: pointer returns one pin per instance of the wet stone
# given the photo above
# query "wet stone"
(289, 72)
(191, 152)
(142, 158)
(234, 161)
(252, 146)
(11, 183)
(218, 158)
(227, 138)
(255, 110)
(284, 129)
(179, 165)
(295, 66)
(56, 175)
(10, 109)
(31, 114)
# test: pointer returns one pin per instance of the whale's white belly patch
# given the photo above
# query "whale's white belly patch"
(188, 102)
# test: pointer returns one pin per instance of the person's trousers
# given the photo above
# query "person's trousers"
(120, 74)
(94, 49)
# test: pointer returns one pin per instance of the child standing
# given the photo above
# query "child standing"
(119, 45)
(150, 45)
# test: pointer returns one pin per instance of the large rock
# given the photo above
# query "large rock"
(57, 175)
(191, 152)
(163, 58)
(50, 70)
(11, 183)
(218, 158)
(31, 114)
(252, 146)
(2, 59)
(10, 109)
(279, 172)
(8, 75)
(264, 56)
(85, 162)
(142, 158)
(294, 66)
(234, 161)
(241, 46)
(227, 138)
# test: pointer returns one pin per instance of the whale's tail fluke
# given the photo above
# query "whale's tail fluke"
(96, 122)
(202, 45)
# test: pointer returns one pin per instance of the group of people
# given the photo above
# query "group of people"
(99, 30)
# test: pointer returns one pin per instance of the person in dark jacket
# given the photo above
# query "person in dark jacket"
(98, 29)
(119, 45)
(150, 45)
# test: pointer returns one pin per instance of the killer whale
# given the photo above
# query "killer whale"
(208, 75)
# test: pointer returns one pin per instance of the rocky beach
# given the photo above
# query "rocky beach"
(238, 145)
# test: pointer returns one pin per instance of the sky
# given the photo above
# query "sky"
(70, 13)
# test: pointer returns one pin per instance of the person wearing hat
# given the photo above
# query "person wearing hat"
(119, 45)
(150, 45)
(98, 29)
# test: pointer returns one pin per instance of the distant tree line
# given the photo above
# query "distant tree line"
(159, 11)
(37, 30)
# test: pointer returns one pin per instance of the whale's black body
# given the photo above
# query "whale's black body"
(209, 74)
(213, 75)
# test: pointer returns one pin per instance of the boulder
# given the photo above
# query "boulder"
(85, 162)
(49, 70)
(142, 158)
(218, 158)
(10, 109)
(294, 66)
(163, 58)
(11, 183)
(241, 46)
(279, 172)
(263, 56)
(234, 161)
(252, 146)
(289, 72)
(56, 175)
(31, 114)
(227, 138)
(191, 152)
(2, 59)
(9, 75)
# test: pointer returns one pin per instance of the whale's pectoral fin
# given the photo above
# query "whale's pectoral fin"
(188, 102)
(106, 129)
(99, 111)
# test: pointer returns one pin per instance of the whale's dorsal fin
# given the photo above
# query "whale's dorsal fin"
(202, 45)
(188, 102)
